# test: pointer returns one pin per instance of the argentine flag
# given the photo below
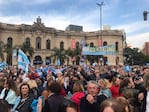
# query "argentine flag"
(3, 65)
(23, 61)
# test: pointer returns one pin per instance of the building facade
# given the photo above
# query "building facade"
(43, 39)
(146, 48)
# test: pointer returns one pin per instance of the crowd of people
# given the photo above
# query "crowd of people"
(73, 88)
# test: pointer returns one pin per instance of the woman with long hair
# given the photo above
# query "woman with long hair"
(78, 93)
(10, 92)
(23, 102)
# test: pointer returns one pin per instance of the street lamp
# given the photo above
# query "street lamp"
(145, 15)
(100, 6)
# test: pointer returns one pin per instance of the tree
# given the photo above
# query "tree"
(147, 59)
(75, 53)
(58, 54)
(27, 49)
(133, 56)
(2, 51)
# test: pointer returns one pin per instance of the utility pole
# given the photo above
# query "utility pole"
(100, 6)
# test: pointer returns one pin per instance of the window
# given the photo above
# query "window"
(9, 46)
(10, 42)
(27, 41)
(38, 43)
(116, 46)
(91, 44)
(117, 60)
(37, 60)
(105, 43)
(48, 60)
(48, 44)
(61, 45)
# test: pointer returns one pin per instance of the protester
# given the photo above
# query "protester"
(115, 87)
(4, 106)
(10, 92)
(98, 82)
(92, 101)
(111, 105)
(23, 102)
(144, 95)
(104, 88)
(124, 104)
(69, 106)
(55, 99)
(78, 93)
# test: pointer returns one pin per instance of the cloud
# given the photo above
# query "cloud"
(59, 14)
(133, 27)
(2, 2)
(138, 40)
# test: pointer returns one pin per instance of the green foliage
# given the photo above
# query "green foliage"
(1, 50)
(27, 49)
(58, 54)
(134, 57)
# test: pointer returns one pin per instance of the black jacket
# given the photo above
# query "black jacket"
(143, 102)
(55, 103)
(85, 106)
(25, 106)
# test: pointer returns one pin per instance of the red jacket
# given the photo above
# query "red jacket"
(115, 91)
(76, 97)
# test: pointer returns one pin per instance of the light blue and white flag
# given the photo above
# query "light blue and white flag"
(58, 62)
(3, 65)
(23, 61)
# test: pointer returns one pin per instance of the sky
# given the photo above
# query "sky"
(126, 15)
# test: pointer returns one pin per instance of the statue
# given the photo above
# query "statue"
(38, 20)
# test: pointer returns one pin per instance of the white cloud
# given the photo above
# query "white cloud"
(132, 27)
(138, 40)
(62, 21)
(34, 2)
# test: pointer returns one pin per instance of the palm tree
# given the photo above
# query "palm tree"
(2, 50)
(74, 53)
(27, 49)
(58, 54)
(8, 49)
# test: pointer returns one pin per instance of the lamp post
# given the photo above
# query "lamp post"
(100, 6)
(100, 36)
(145, 15)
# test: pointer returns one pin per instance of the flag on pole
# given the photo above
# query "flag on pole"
(58, 62)
(23, 61)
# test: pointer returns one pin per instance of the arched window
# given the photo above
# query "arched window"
(38, 43)
(37, 60)
(105, 43)
(77, 44)
(48, 60)
(61, 45)
(116, 46)
(91, 44)
(27, 41)
(10, 42)
(48, 43)
(9, 46)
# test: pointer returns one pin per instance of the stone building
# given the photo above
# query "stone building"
(43, 39)
(146, 48)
